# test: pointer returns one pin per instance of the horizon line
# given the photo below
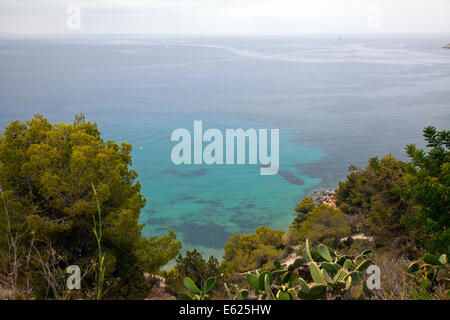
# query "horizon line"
(221, 34)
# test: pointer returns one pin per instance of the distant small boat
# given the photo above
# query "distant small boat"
(447, 46)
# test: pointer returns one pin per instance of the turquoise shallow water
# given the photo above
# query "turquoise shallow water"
(336, 103)
(206, 204)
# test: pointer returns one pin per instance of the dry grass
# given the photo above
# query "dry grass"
(395, 283)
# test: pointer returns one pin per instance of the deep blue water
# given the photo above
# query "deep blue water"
(336, 102)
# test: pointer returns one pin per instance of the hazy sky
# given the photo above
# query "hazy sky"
(226, 16)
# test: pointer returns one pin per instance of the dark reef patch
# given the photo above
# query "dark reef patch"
(186, 197)
(188, 174)
(210, 235)
(291, 178)
(212, 202)
(246, 221)
(156, 221)
(150, 211)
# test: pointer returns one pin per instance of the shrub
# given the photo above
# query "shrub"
(324, 224)
(193, 266)
(248, 252)
(331, 278)
(372, 197)
(46, 174)
(428, 185)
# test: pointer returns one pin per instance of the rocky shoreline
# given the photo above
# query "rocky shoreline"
(327, 196)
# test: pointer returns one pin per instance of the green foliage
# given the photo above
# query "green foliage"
(258, 281)
(323, 251)
(429, 269)
(56, 179)
(239, 294)
(199, 294)
(425, 275)
(305, 206)
(155, 252)
(404, 202)
(46, 173)
(194, 266)
(428, 185)
(325, 224)
(321, 223)
(389, 199)
(335, 276)
(101, 258)
(268, 286)
(253, 251)
(262, 283)
(372, 195)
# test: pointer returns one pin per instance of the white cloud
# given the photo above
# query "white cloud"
(228, 16)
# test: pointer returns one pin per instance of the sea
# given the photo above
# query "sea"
(337, 100)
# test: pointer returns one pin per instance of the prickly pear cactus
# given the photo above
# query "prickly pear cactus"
(334, 275)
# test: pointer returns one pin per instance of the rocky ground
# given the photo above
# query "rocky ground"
(158, 291)
(327, 197)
